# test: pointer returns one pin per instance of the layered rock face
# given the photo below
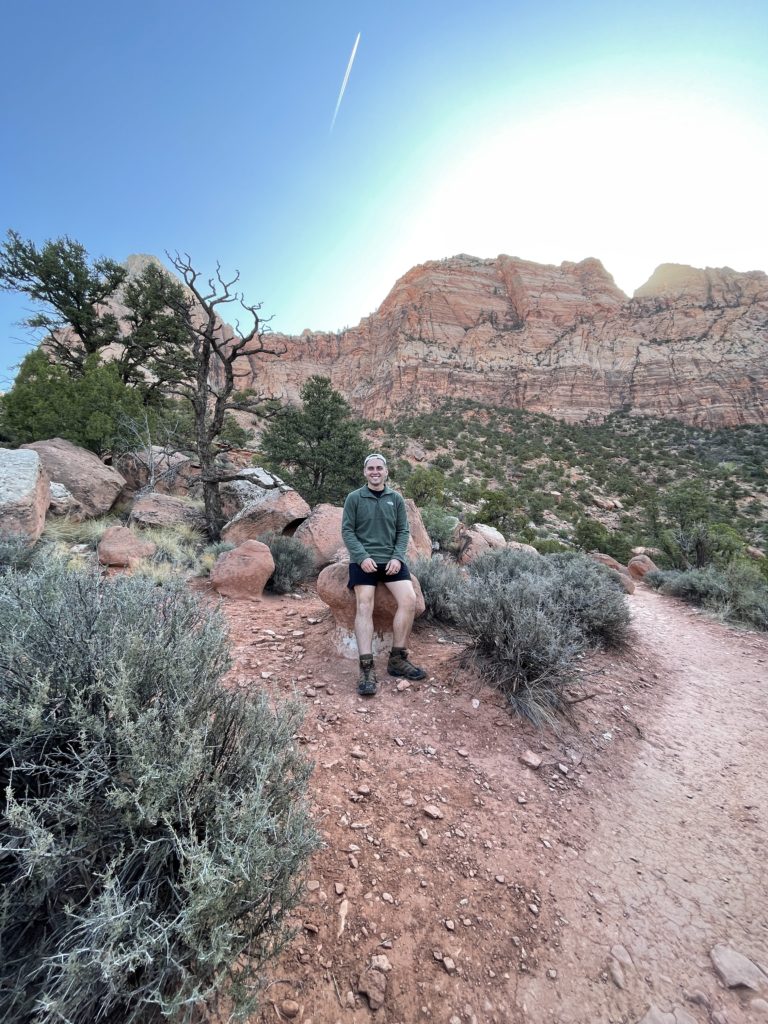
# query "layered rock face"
(565, 341)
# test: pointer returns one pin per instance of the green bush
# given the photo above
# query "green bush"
(293, 562)
(737, 593)
(439, 524)
(520, 639)
(16, 552)
(153, 823)
(440, 580)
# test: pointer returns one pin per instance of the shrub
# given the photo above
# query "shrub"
(440, 581)
(737, 593)
(153, 824)
(293, 562)
(520, 640)
(529, 615)
(439, 524)
(16, 552)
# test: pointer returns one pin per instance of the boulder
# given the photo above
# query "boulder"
(24, 494)
(494, 538)
(623, 578)
(736, 970)
(419, 542)
(468, 543)
(64, 503)
(321, 533)
(254, 484)
(332, 589)
(95, 485)
(121, 546)
(165, 471)
(157, 509)
(278, 511)
(639, 565)
(518, 545)
(244, 571)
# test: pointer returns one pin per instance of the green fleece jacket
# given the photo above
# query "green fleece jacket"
(373, 527)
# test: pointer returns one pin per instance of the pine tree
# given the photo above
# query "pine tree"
(318, 448)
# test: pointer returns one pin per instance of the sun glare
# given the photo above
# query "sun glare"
(633, 181)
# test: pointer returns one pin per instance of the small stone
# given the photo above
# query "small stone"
(552, 973)
(462, 752)
(339, 887)
(698, 997)
(353, 861)
(450, 925)
(363, 790)
(430, 751)
(433, 812)
(500, 879)
(522, 800)
(373, 984)
(617, 975)
(530, 759)
(380, 962)
(449, 965)
(533, 908)
(563, 768)
(388, 897)
(619, 952)
(398, 741)
(313, 885)
(735, 969)
(289, 1008)
(475, 703)
(437, 955)
(357, 753)
(423, 836)
(403, 685)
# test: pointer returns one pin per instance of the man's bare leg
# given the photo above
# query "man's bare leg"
(364, 619)
(399, 665)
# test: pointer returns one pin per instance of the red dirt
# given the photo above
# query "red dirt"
(644, 828)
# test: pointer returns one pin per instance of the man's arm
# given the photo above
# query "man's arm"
(357, 552)
(402, 531)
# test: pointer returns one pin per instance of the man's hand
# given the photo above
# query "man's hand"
(393, 567)
(368, 565)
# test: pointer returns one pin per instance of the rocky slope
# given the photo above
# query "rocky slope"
(691, 344)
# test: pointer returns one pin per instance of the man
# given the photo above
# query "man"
(375, 531)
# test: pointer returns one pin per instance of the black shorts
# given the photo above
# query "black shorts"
(358, 578)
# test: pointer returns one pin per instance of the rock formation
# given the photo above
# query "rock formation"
(565, 341)
(24, 494)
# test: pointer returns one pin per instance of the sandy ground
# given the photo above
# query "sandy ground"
(590, 889)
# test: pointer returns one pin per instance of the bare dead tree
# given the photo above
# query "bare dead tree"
(207, 368)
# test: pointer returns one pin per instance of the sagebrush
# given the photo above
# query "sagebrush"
(293, 562)
(154, 824)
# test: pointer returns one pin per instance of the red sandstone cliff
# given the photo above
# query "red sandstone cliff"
(692, 344)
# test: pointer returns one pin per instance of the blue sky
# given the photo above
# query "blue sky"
(549, 131)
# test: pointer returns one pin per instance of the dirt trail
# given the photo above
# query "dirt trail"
(643, 832)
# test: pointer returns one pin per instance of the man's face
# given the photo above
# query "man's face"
(375, 474)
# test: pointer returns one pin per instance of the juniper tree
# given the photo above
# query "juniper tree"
(318, 448)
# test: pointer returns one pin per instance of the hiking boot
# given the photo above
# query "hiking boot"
(398, 665)
(366, 684)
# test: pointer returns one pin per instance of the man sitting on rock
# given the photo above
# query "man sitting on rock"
(375, 531)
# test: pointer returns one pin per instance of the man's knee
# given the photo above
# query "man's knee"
(364, 597)
(405, 596)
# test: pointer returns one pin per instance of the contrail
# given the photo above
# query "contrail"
(344, 83)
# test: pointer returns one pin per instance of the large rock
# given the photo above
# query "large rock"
(493, 537)
(24, 494)
(166, 510)
(253, 485)
(321, 533)
(332, 589)
(468, 543)
(121, 546)
(64, 503)
(639, 565)
(95, 485)
(168, 472)
(277, 511)
(244, 571)
(736, 970)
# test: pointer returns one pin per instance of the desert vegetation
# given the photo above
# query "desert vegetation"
(154, 825)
